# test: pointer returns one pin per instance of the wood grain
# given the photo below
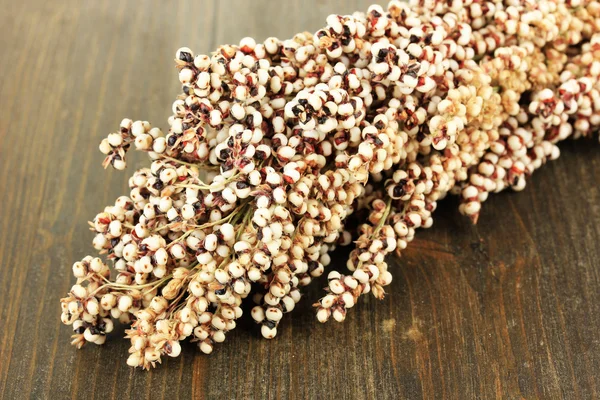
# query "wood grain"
(507, 309)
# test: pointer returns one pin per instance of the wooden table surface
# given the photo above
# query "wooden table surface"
(509, 308)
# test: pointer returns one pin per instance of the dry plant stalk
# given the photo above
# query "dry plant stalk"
(273, 147)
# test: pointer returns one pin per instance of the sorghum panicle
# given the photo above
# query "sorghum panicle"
(274, 146)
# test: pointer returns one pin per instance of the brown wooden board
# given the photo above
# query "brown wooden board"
(509, 308)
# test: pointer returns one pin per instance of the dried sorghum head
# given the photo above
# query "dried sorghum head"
(273, 148)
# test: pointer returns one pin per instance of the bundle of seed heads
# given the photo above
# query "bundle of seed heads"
(273, 146)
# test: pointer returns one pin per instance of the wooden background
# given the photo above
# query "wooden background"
(506, 309)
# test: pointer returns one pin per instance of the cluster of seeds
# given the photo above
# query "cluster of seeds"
(274, 147)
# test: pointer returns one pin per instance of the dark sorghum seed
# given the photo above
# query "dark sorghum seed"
(269, 323)
(226, 167)
(145, 193)
(224, 154)
(185, 56)
(94, 330)
(399, 188)
(204, 108)
(158, 184)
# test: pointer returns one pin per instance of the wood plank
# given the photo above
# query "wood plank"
(509, 308)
